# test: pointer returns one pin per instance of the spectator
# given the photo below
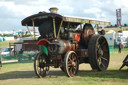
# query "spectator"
(21, 51)
(120, 47)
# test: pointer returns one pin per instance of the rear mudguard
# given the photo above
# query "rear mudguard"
(43, 43)
(44, 49)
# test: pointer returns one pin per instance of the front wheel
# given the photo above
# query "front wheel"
(71, 63)
(40, 67)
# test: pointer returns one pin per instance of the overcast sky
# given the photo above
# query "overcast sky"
(13, 11)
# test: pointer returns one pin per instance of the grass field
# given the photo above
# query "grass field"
(23, 74)
(6, 43)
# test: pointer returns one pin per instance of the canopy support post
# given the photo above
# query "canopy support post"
(80, 26)
(29, 31)
(68, 25)
(33, 29)
(54, 25)
(97, 27)
(59, 29)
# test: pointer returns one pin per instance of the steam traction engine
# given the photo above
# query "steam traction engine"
(66, 42)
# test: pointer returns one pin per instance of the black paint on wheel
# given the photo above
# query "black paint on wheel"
(40, 67)
(98, 51)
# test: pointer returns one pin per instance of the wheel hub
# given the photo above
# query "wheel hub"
(101, 52)
(42, 65)
(73, 64)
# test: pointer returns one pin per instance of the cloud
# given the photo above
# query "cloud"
(13, 11)
(9, 9)
(20, 2)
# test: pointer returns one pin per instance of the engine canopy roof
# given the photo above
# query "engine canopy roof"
(42, 16)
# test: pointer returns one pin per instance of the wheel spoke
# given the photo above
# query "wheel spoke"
(103, 65)
(71, 70)
(98, 48)
(74, 58)
(70, 65)
(105, 50)
(103, 43)
(98, 54)
(74, 68)
(41, 70)
(104, 58)
(70, 62)
(70, 59)
(99, 59)
(76, 62)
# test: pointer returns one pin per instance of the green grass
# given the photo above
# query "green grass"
(23, 74)
(6, 43)
(116, 49)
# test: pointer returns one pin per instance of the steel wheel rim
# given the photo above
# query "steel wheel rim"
(102, 58)
(41, 71)
(72, 64)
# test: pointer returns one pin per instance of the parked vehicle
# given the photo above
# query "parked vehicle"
(63, 45)
(7, 52)
(121, 39)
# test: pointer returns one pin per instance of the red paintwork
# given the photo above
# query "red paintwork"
(77, 37)
(44, 42)
(68, 46)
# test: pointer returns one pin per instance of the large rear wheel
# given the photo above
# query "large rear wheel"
(87, 32)
(71, 63)
(98, 52)
(40, 67)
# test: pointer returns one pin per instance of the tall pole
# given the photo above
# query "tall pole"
(118, 15)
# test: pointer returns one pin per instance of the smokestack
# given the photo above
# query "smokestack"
(53, 10)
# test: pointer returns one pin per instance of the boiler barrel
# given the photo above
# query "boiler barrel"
(64, 46)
